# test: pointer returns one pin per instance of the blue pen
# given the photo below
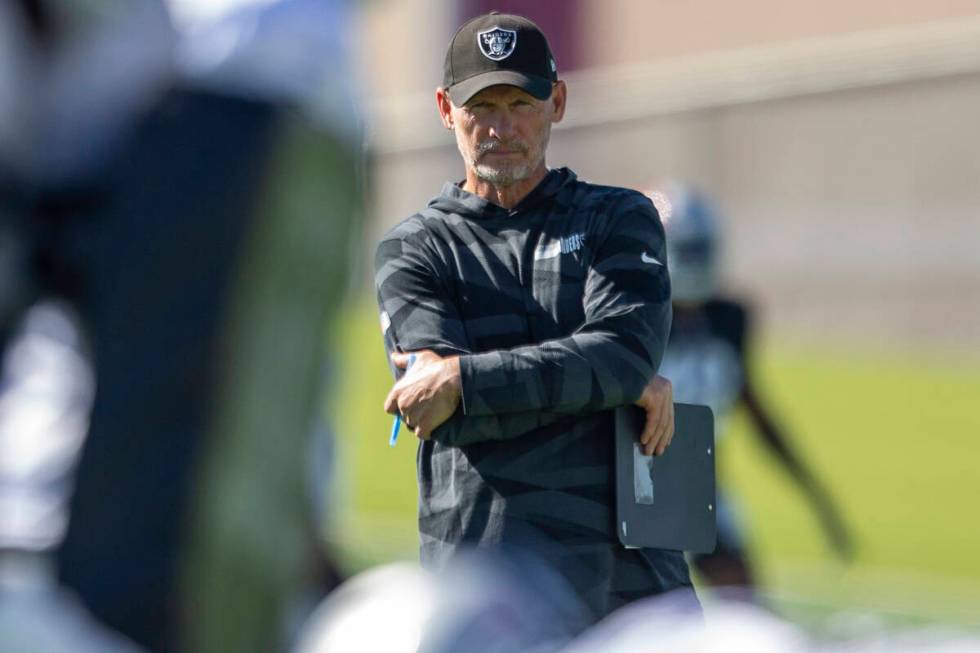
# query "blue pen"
(397, 424)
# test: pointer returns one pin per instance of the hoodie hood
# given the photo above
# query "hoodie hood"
(453, 199)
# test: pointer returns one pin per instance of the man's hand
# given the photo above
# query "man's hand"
(427, 395)
(658, 402)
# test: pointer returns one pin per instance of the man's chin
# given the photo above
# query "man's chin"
(502, 177)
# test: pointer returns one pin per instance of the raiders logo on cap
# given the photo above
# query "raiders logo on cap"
(497, 43)
(497, 59)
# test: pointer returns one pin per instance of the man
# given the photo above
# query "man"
(533, 303)
(706, 362)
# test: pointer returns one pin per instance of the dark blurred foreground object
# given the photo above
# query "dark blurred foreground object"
(195, 212)
(707, 363)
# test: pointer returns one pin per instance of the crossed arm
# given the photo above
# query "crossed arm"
(429, 395)
(458, 397)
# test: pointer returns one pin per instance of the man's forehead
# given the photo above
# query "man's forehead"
(501, 92)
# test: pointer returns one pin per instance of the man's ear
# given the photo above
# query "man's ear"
(559, 95)
(445, 106)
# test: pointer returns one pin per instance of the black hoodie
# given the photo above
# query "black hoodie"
(559, 310)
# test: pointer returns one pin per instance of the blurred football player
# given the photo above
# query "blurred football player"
(707, 362)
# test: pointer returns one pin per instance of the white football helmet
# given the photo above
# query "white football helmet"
(693, 239)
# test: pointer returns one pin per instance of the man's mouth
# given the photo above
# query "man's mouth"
(500, 149)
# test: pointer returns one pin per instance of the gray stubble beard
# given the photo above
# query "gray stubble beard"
(503, 178)
(497, 176)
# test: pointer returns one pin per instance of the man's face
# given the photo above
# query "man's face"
(502, 132)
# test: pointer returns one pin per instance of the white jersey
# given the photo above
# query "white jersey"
(705, 370)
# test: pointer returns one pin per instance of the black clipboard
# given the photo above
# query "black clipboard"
(668, 501)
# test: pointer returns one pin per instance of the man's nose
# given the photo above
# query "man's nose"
(502, 127)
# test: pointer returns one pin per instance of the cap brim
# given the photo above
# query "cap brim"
(461, 92)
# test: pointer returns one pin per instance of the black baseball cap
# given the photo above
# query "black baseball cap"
(498, 49)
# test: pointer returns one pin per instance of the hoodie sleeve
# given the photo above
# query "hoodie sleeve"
(417, 313)
(611, 357)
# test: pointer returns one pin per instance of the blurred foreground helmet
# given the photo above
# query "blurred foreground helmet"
(481, 602)
(693, 240)
(660, 625)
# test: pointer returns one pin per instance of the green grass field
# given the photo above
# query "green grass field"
(895, 436)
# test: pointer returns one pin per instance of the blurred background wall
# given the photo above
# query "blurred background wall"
(839, 139)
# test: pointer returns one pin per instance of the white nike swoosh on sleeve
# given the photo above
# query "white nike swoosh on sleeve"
(649, 259)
